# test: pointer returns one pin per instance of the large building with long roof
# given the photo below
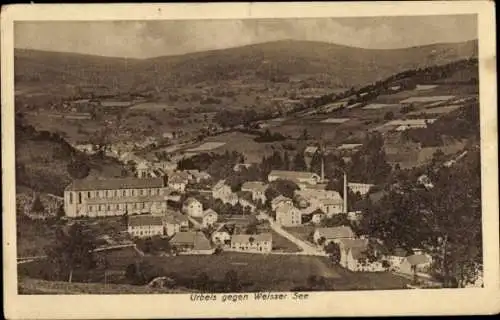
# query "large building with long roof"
(112, 197)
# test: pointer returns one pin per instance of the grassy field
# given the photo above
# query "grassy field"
(36, 286)
(281, 243)
(302, 232)
(276, 272)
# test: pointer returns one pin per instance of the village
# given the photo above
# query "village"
(299, 186)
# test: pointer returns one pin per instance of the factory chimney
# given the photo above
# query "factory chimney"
(345, 193)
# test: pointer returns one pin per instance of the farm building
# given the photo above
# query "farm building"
(252, 243)
(193, 208)
(298, 177)
(145, 226)
(334, 234)
(191, 242)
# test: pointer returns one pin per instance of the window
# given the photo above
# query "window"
(116, 193)
(88, 195)
(80, 195)
(109, 207)
(123, 193)
(70, 197)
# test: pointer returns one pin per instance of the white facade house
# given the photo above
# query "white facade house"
(145, 226)
(209, 218)
(287, 215)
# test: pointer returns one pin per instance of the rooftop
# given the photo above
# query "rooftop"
(115, 183)
(197, 239)
(293, 174)
(245, 238)
(145, 220)
(254, 185)
(417, 259)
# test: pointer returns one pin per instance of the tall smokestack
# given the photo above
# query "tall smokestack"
(322, 167)
(345, 192)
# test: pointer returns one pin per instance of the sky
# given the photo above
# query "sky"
(145, 39)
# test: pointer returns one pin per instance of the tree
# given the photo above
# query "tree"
(389, 115)
(284, 187)
(202, 281)
(78, 169)
(60, 211)
(37, 206)
(73, 250)
(321, 241)
(305, 135)
(333, 251)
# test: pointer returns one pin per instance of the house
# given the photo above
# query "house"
(329, 201)
(395, 88)
(317, 216)
(209, 218)
(177, 181)
(310, 151)
(353, 256)
(192, 208)
(299, 177)
(252, 243)
(174, 221)
(145, 226)
(112, 197)
(257, 189)
(287, 215)
(223, 192)
(142, 170)
(331, 206)
(247, 204)
(395, 258)
(166, 166)
(191, 242)
(333, 234)
(362, 188)
(280, 200)
(416, 263)
(240, 166)
(221, 236)
(354, 216)
(197, 176)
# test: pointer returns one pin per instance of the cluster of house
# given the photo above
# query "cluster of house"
(354, 253)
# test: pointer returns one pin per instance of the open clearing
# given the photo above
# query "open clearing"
(375, 106)
(427, 99)
(335, 120)
(207, 146)
(153, 106)
(437, 110)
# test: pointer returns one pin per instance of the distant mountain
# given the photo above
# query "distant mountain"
(346, 66)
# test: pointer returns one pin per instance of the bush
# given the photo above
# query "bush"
(389, 115)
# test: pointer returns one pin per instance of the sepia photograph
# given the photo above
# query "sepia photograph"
(260, 158)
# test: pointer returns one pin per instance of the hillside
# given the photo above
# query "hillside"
(42, 159)
(342, 66)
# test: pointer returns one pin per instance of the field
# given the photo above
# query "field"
(265, 272)
(36, 286)
(335, 120)
(376, 106)
(207, 147)
(424, 99)
(438, 110)
(152, 106)
(282, 244)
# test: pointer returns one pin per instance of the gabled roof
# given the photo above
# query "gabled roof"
(209, 212)
(285, 208)
(254, 186)
(293, 174)
(115, 183)
(245, 238)
(356, 246)
(417, 259)
(279, 199)
(219, 184)
(145, 220)
(191, 200)
(336, 232)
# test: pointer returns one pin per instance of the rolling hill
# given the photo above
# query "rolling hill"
(345, 66)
